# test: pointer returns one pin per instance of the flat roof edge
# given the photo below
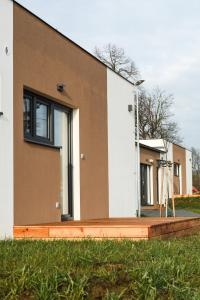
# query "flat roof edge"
(168, 142)
(70, 40)
(152, 148)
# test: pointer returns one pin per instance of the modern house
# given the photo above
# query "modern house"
(67, 147)
(158, 179)
(67, 128)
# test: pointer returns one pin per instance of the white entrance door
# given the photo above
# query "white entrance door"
(61, 140)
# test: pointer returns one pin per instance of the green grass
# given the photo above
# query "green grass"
(100, 270)
(191, 204)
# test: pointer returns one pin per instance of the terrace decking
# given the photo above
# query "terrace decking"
(114, 228)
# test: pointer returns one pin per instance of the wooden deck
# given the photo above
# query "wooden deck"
(116, 228)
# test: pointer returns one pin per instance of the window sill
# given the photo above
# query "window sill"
(42, 144)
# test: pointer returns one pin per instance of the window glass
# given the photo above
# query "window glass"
(42, 120)
(57, 128)
(60, 128)
(27, 115)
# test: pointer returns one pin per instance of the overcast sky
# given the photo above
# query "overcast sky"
(161, 36)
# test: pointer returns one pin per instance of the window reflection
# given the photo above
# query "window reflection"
(27, 115)
(57, 128)
(42, 120)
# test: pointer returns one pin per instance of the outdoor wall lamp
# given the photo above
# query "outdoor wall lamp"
(1, 113)
(139, 82)
(60, 87)
(7, 50)
(130, 107)
(83, 157)
(150, 160)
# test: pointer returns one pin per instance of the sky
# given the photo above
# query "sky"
(161, 36)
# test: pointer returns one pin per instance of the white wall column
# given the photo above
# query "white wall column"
(188, 155)
(121, 147)
(180, 179)
(170, 170)
(6, 120)
(76, 165)
(151, 185)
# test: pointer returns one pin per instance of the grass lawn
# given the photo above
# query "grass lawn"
(100, 270)
(191, 204)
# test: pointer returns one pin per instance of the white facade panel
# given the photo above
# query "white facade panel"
(188, 155)
(121, 147)
(76, 165)
(6, 121)
(151, 186)
(180, 180)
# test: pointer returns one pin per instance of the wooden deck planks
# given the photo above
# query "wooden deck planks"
(30, 232)
(99, 232)
(174, 227)
(114, 228)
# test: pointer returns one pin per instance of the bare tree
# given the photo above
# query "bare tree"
(156, 117)
(115, 58)
(154, 108)
(196, 167)
(195, 160)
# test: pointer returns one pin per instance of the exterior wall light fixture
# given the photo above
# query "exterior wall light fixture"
(1, 113)
(130, 107)
(60, 87)
(7, 50)
(150, 160)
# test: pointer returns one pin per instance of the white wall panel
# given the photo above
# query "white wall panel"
(121, 147)
(76, 164)
(188, 155)
(6, 121)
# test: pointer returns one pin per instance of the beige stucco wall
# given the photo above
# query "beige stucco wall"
(43, 58)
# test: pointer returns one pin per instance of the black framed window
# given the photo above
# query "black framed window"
(40, 122)
(38, 118)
